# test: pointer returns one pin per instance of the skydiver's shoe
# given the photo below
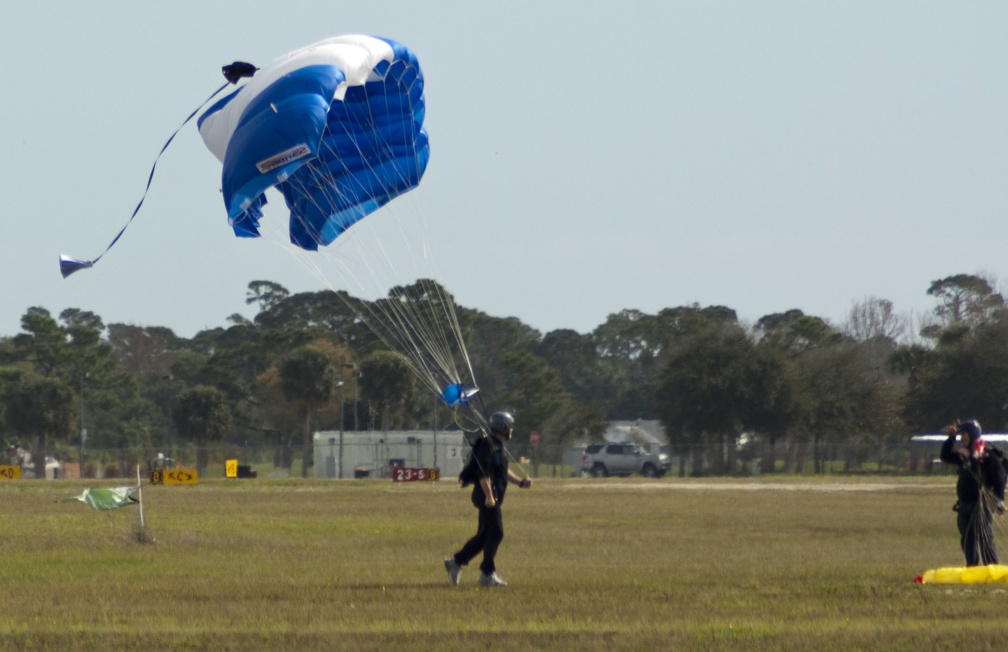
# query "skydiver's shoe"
(492, 580)
(454, 571)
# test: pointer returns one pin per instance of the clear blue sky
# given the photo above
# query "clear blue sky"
(609, 155)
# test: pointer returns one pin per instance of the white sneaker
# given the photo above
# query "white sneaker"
(454, 571)
(492, 580)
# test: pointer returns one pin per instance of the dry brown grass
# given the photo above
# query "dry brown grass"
(592, 565)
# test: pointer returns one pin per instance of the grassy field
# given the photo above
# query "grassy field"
(760, 564)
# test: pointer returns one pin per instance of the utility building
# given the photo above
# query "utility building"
(374, 453)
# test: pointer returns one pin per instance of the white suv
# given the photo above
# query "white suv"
(625, 458)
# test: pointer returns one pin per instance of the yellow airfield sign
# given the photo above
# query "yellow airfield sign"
(8, 472)
(175, 476)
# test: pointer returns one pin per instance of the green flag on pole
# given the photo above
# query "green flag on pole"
(106, 497)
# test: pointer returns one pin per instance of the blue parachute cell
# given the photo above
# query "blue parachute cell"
(337, 127)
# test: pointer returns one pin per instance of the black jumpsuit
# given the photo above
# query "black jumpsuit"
(492, 462)
(975, 518)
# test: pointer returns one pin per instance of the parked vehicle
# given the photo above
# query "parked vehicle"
(601, 460)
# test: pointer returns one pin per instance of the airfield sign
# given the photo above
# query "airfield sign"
(9, 472)
(407, 474)
(174, 476)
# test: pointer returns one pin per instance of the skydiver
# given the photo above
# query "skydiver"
(489, 485)
(980, 490)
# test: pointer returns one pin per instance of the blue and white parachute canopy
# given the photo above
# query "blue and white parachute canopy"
(337, 127)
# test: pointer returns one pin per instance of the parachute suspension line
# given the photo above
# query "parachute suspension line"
(388, 325)
(457, 330)
(421, 326)
(443, 299)
(984, 509)
(420, 319)
(468, 424)
(394, 328)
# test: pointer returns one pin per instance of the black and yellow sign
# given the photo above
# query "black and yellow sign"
(174, 476)
(407, 474)
(8, 472)
(231, 469)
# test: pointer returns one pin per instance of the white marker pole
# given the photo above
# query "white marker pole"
(140, 498)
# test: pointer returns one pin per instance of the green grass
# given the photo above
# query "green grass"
(592, 565)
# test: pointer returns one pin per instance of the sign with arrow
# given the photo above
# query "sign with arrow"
(175, 476)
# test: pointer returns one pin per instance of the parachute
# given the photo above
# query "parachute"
(992, 573)
(337, 129)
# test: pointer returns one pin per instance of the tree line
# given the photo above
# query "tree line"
(722, 388)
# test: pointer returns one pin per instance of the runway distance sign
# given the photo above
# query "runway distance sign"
(407, 474)
(175, 476)
(9, 472)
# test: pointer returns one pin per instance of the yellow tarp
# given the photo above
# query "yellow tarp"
(966, 575)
